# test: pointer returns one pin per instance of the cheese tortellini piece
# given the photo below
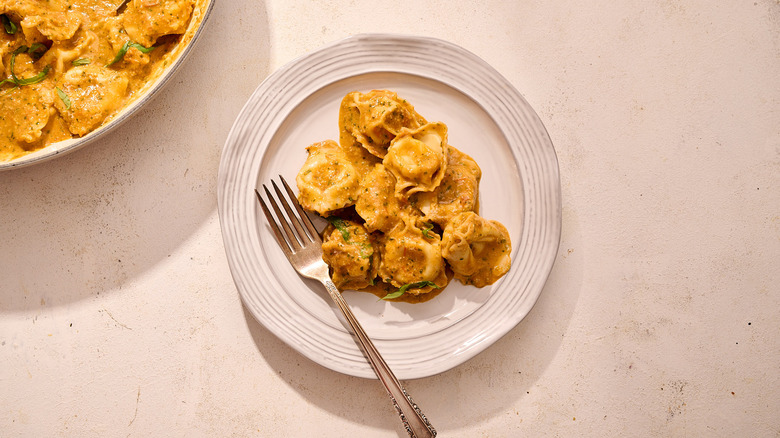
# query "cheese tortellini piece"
(377, 204)
(402, 204)
(95, 93)
(327, 181)
(56, 26)
(457, 193)
(478, 250)
(26, 121)
(374, 119)
(349, 250)
(418, 159)
(409, 257)
(147, 20)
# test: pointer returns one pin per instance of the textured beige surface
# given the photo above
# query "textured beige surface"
(119, 317)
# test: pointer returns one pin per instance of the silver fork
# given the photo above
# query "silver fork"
(303, 248)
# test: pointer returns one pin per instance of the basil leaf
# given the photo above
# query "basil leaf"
(19, 50)
(125, 47)
(341, 226)
(26, 81)
(80, 61)
(395, 294)
(64, 97)
(120, 54)
(142, 48)
(366, 250)
(37, 50)
(10, 26)
(404, 288)
(35, 79)
(428, 227)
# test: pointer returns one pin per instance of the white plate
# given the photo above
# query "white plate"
(487, 119)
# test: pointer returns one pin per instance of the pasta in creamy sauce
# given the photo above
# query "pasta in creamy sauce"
(402, 204)
(69, 66)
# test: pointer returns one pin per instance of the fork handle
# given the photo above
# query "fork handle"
(417, 426)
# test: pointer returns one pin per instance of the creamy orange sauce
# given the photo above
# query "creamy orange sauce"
(69, 66)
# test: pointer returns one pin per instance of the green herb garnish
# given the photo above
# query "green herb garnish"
(428, 227)
(64, 97)
(125, 47)
(366, 250)
(33, 80)
(10, 26)
(407, 286)
(37, 50)
(25, 81)
(341, 226)
(80, 61)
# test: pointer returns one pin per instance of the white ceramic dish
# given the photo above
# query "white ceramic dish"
(487, 119)
(200, 14)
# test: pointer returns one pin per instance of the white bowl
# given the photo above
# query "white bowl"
(199, 15)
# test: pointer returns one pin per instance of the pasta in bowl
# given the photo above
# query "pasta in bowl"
(74, 69)
(402, 204)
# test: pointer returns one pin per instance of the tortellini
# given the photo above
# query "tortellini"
(409, 257)
(376, 203)
(95, 92)
(145, 21)
(327, 181)
(477, 249)
(349, 250)
(457, 193)
(374, 119)
(402, 204)
(55, 26)
(418, 159)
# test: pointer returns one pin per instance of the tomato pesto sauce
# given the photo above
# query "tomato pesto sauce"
(69, 66)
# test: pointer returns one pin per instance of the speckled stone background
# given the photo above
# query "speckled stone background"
(119, 317)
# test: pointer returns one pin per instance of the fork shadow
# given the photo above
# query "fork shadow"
(485, 386)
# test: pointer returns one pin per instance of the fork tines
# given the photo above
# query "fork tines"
(304, 234)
